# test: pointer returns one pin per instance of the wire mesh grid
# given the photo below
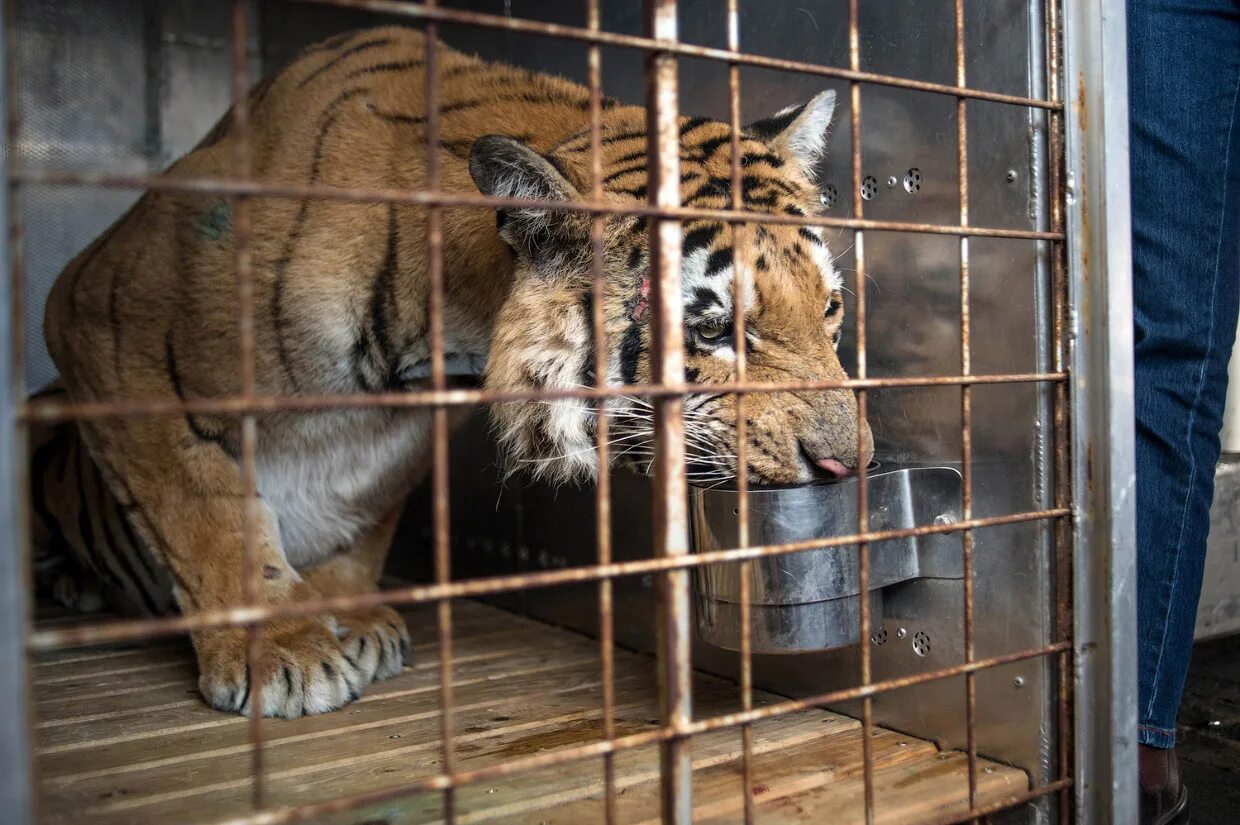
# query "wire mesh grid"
(672, 561)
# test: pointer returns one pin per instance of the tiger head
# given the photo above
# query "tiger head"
(542, 339)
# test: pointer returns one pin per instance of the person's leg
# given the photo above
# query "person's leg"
(1184, 78)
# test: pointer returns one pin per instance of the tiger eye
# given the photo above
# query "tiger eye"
(711, 330)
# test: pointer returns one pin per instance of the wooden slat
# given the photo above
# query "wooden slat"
(94, 727)
(49, 660)
(469, 619)
(186, 749)
(324, 771)
(123, 737)
(910, 792)
(202, 729)
(164, 680)
(578, 798)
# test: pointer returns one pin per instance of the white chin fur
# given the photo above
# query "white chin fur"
(550, 440)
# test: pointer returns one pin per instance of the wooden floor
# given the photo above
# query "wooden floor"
(124, 738)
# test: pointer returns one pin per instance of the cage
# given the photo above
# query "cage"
(595, 652)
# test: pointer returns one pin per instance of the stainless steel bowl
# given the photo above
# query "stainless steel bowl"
(810, 600)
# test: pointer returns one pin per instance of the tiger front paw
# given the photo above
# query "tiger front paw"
(305, 666)
(377, 639)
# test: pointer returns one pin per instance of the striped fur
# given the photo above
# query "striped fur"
(86, 553)
(135, 509)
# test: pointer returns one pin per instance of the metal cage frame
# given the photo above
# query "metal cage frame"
(1086, 113)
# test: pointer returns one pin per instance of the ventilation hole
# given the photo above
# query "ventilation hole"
(869, 187)
(829, 196)
(912, 181)
(879, 637)
(921, 643)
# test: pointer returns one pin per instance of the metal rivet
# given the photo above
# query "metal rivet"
(1011, 176)
(891, 182)
(829, 195)
(902, 744)
(901, 633)
(1018, 682)
(944, 518)
(912, 181)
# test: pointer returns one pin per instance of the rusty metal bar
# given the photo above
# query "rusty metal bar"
(252, 567)
(1059, 786)
(558, 31)
(602, 490)
(671, 517)
(222, 188)
(127, 629)
(440, 424)
(741, 272)
(1062, 471)
(966, 405)
(39, 411)
(16, 226)
(637, 740)
(18, 780)
(863, 498)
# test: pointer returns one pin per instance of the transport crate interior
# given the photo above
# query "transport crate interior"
(579, 674)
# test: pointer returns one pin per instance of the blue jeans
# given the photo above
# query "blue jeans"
(1184, 78)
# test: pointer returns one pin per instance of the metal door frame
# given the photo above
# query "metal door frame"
(1099, 262)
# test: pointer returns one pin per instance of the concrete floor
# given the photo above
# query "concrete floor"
(1208, 735)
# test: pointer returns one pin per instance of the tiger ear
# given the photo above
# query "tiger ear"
(799, 133)
(506, 168)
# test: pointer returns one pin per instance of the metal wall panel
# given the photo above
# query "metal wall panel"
(131, 85)
(90, 41)
(17, 780)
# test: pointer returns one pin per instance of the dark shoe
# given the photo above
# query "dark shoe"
(1164, 799)
(1157, 808)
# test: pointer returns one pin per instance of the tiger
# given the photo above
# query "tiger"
(148, 510)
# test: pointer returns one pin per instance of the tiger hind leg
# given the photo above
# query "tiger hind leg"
(86, 556)
(79, 594)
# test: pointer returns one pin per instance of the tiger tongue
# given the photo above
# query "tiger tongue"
(834, 467)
